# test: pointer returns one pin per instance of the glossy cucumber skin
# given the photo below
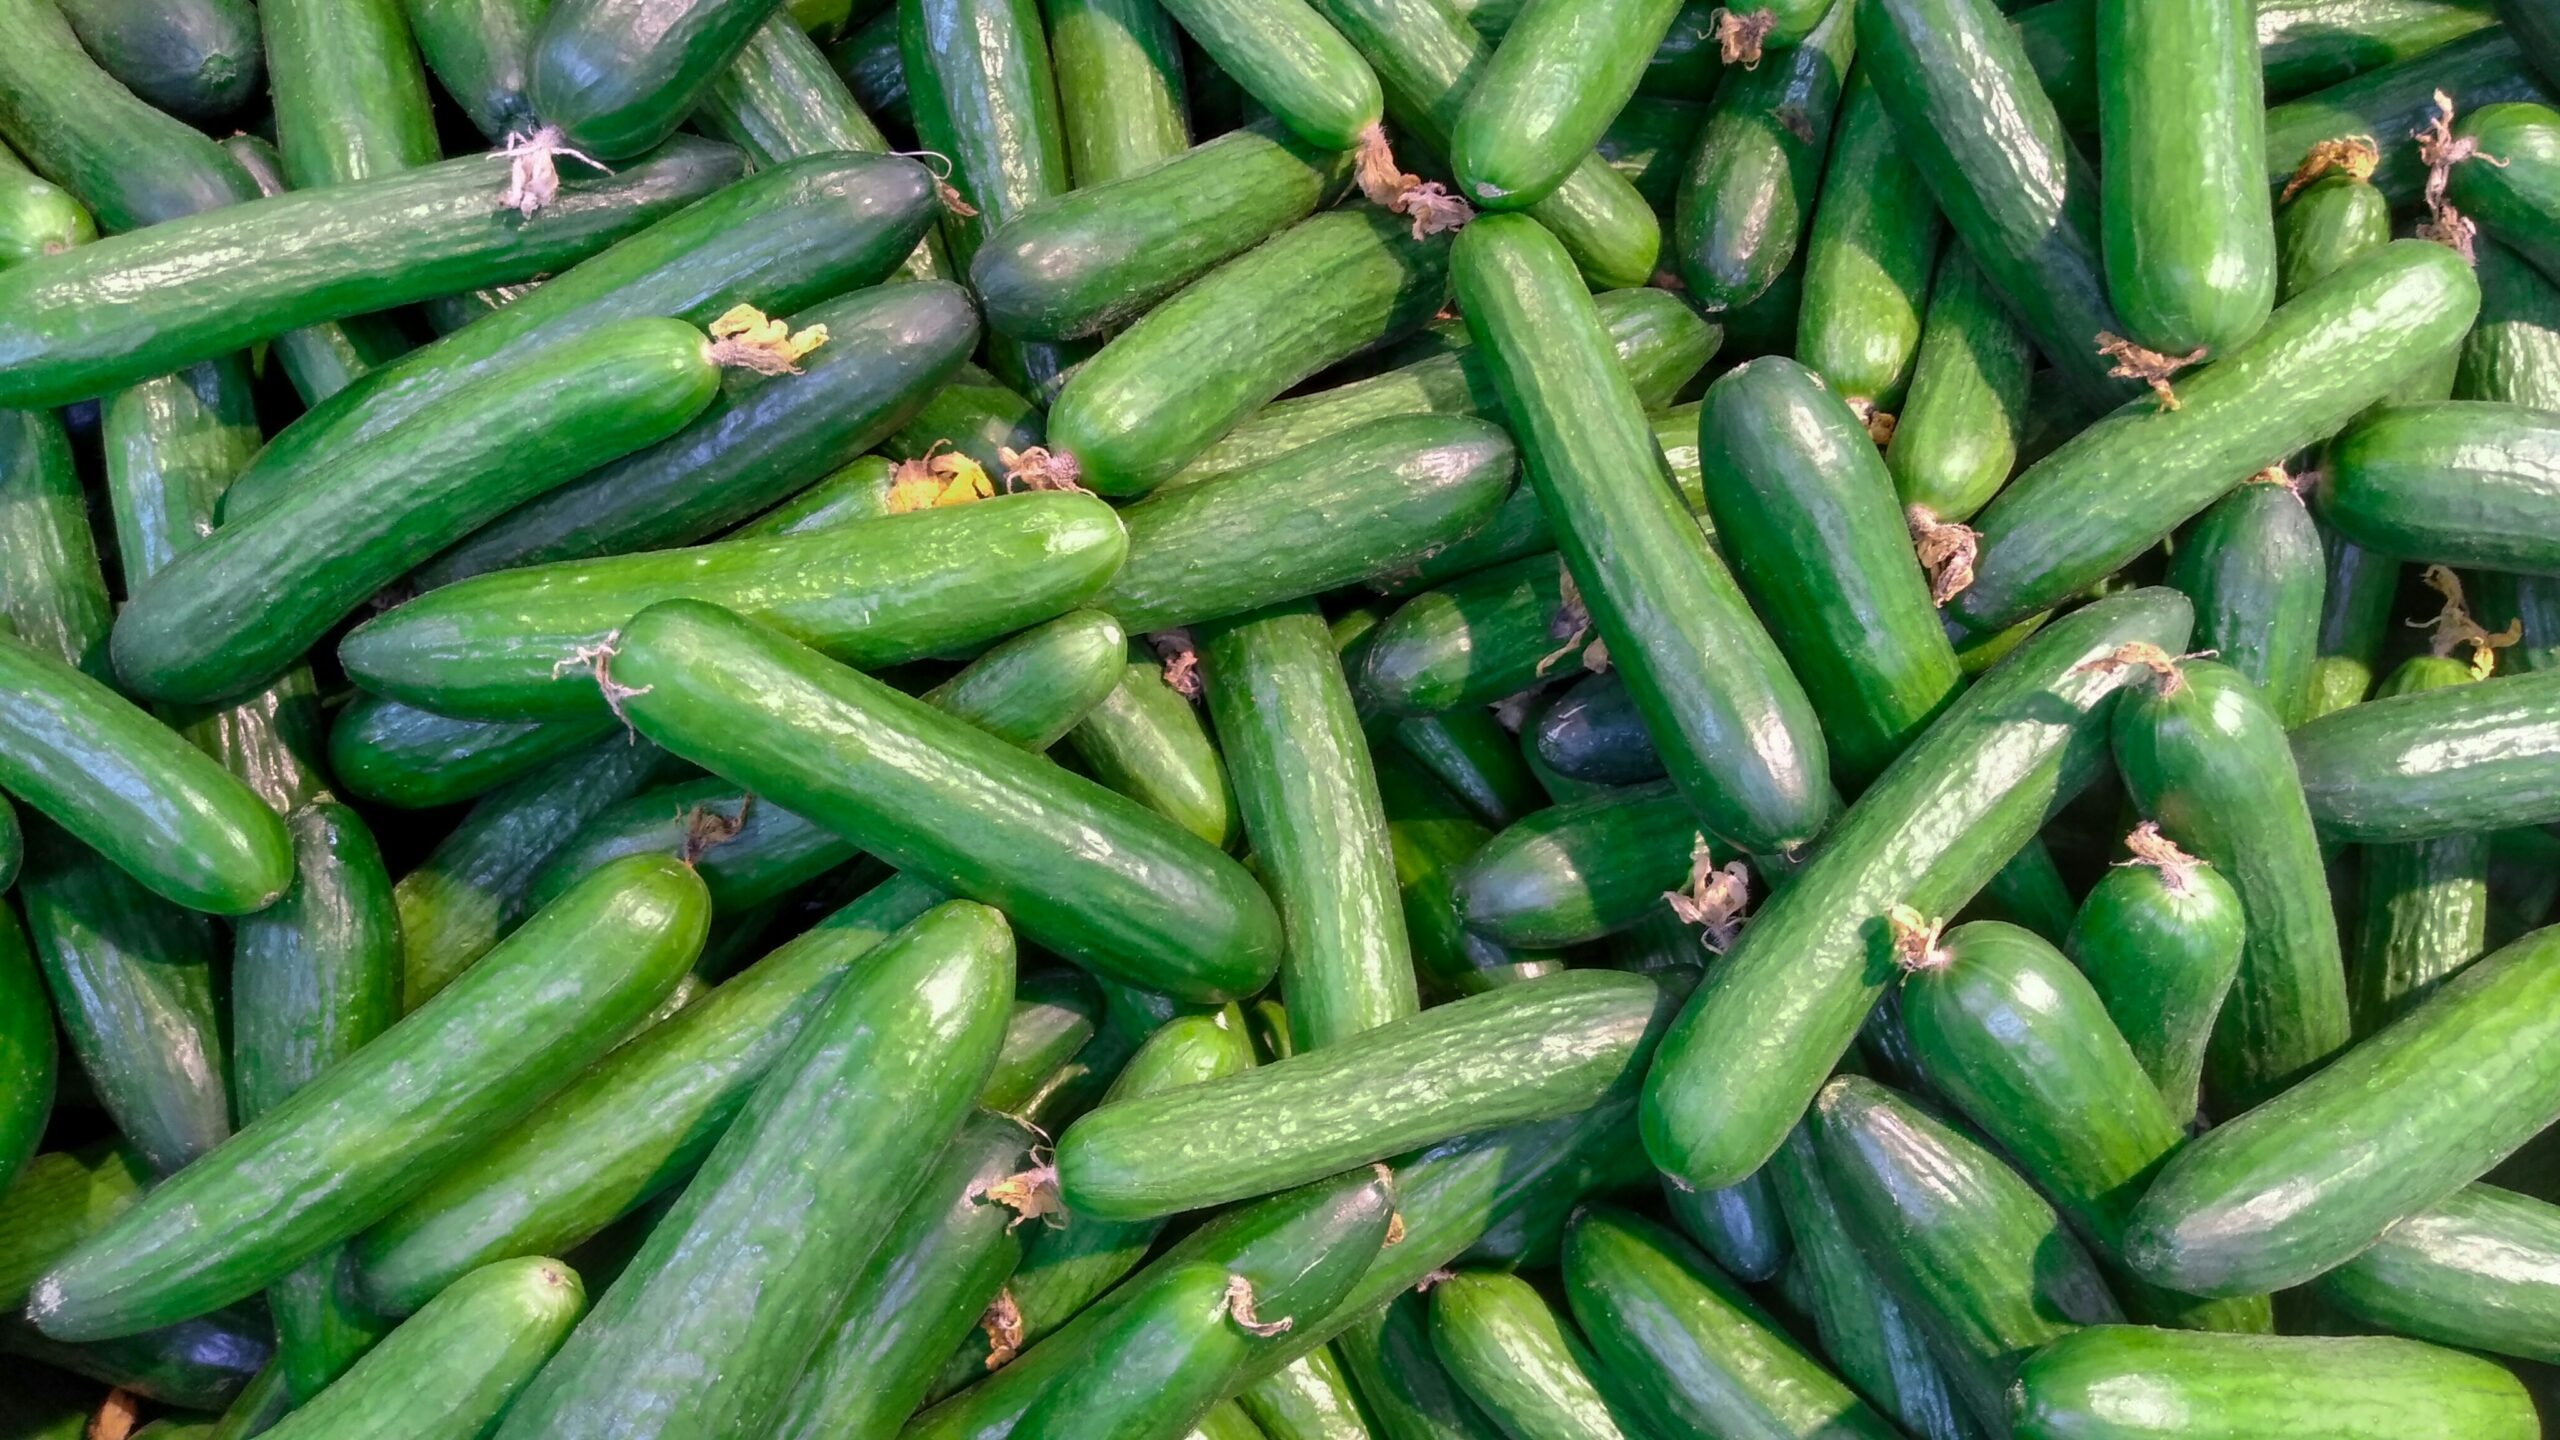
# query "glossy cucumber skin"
(1159, 1364)
(314, 978)
(2189, 235)
(760, 439)
(1763, 1030)
(1982, 1263)
(1750, 185)
(977, 415)
(1289, 59)
(1577, 872)
(504, 646)
(1692, 1352)
(77, 127)
(1739, 1227)
(1592, 732)
(1139, 901)
(2331, 351)
(2482, 69)
(343, 1150)
(2332, 221)
(1868, 256)
(1170, 385)
(1121, 100)
(2423, 906)
(1737, 732)
(1392, 492)
(2456, 761)
(28, 1051)
(53, 591)
(2475, 1046)
(2222, 1387)
(125, 784)
(1309, 1399)
(350, 92)
(981, 91)
(198, 61)
(2358, 589)
(480, 51)
(2513, 351)
(2475, 1270)
(2473, 483)
(1830, 566)
(2254, 567)
(1476, 760)
(1549, 91)
(1402, 1385)
(1076, 265)
(779, 100)
(37, 217)
(2161, 948)
(618, 77)
(452, 1368)
(1148, 743)
(876, 1083)
(867, 60)
(1431, 836)
(1648, 145)
(1511, 1354)
(1956, 438)
(395, 754)
(321, 359)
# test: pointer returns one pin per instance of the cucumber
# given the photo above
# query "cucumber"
(2422, 906)
(616, 77)
(1120, 95)
(2030, 893)
(314, 979)
(480, 52)
(198, 60)
(1531, 1235)
(1767, 1025)
(1830, 567)
(2457, 761)
(1226, 1420)
(1284, 55)
(1738, 1226)
(28, 1051)
(1522, 1366)
(1163, 1359)
(2344, 343)
(1649, 144)
(1222, 1141)
(37, 217)
(2116, 1382)
(1147, 742)
(1592, 733)
(2474, 1049)
(325, 358)
(1310, 1399)
(858, 491)
(868, 62)
(1392, 491)
(1868, 257)
(1402, 1385)
(2481, 69)
(77, 127)
(394, 754)
(1480, 763)
(1687, 63)
(2466, 482)
(2472, 1271)
(1548, 93)
(1958, 433)
(1689, 1350)
(197, 1364)
(1308, 795)
(1979, 1260)
(1577, 872)
(2306, 45)
(452, 1368)
(779, 100)
(2334, 219)
(2358, 587)
(345, 1149)
(2190, 239)
(350, 93)
(2254, 567)
(2159, 938)
(1163, 391)
(1427, 60)
(1737, 733)
(2513, 351)
(1742, 204)
(1432, 837)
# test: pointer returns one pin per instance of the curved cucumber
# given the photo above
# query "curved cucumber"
(480, 52)
(1284, 55)
(2332, 221)
(2254, 567)
(350, 94)
(2114, 1382)
(2455, 761)
(1519, 1362)
(199, 59)
(1868, 256)
(1548, 93)
(2160, 940)
(1750, 183)
(1957, 437)
(77, 127)
(618, 76)
(2475, 1270)
(1577, 872)
(452, 1368)
(2465, 482)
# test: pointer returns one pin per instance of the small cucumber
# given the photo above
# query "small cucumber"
(2473, 483)
(1548, 93)
(1868, 257)
(1403, 1386)
(1433, 837)
(2120, 1382)
(131, 165)
(481, 53)
(198, 60)
(2254, 567)
(350, 93)
(37, 217)
(1750, 183)
(1739, 1226)
(1120, 95)
(1284, 55)
(1521, 1364)
(451, 1369)
(1147, 742)
(1592, 733)
(1957, 437)
(2422, 906)
(616, 77)
(2479, 69)
(2160, 938)
(2334, 219)
(28, 1051)
(1309, 1399)
(2474, 1271)
(1576, 872)
(1473, 641)
(1166, 1356)
(2456, 761)
(394, 754)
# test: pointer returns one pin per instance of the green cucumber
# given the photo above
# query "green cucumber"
(982, 94)
(2160, 939)
(977, 415)
(2456, 761)
(2189, 236)
(1687, 63)
(2334, 219)
(1147, 742)
(1576, 872)
(1592, 732)
(1531, 1235)
(1649, 144)
(1403, 1387)
(1829, 568)
(350, 93)
(1520, 1363)
(2030, 893)
(1739, 1226)
(131, 165)
(2473, 1270)
(1957, 436)
(1308, 795)
(1163, 391)
(1120, 96)
(616, 77)
(1164, 1358)
(1226, 1420)
(394, 754)
(1770, 1021)
(1737, 733)
(1547, 94)
(315, 978)
(1284, 55)
(858, 491)
(1976, 1257)
(1750, 184)
(198, 1364)
(868, 62)
(2513, 352)
(2474, 1049)
(1309, 1399)
(1225, 1140)
(325, 358)
(2480, 69)
(480, 52)
(28, 1051)
(1690, 1351)
(1055, 1014)
(2423, 905)
(1868, 256)
(13, 847)
(2344, 343)
(1432, 837)
(2306, 45)
(37, 217)
(2357, 589)
(1144, 902)
(2120, 1382)
(2254, 567)
(451, 1370)
(2465, 482)
(1476, 759)
(197, 60)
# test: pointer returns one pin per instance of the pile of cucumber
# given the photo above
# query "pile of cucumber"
(1279, 719)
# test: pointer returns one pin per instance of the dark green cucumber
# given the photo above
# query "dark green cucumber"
(2357, 591)
(1750, 184)
(1649, 144)
(453, 1368)
(1979, 1260)
(1221, 1141)
(1531, 1235)
(131, 165)
(1868, 257)
(1147, 742)
(2306, 45)
(1687, 63)
(977, 415)
(2473, 1270)
(2458, 761)
(2334, 219)
(867, 60)
(1309, 1399)
(2254, 567)
(342, 1151)
(1166, 1356)
(1432, 837)
(1120, 94)
(2030, 893)
(350, 94)
(13, 845)
(1056, 1012)
(314, 978)
(2466, 482)
(2479, 70)
(2159, 938)
(2120, 1382)
(858, 491)
(1473, 641)
(395, 754)
(1739, 1226)
(2189, 236)
(37, 217)
(1549, 91)
(1769, 1022)
(197, 60)
(2513, 351)
(1476, 759)
(1403, 1387)
(2422, 906)
(480, 51)
(1308, 795)
(325, 358)
(1577, 872)
(1142, 901)
(1592, 732)
(616, 77)
(982, 94)
(1737, 733)
(1284, 55)
(2475, 1050)
(1164, 391)
(198, 1364)
(1520, 1363)
(1690, 1351)
(28, 1055)
(2336, 348)
(1829, 567)
(1956, 438)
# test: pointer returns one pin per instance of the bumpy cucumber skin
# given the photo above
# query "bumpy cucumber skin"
(1765, 1028)
(77, 127)
(1957, 437)
(395, 754)
(2475, 1270)
(1159, 1364)
(1740, 214)
(2513, 350)
(1147, 742)
(1284, 55)
(28, 1050)
(2422, 907)
(982, 93)
(199, 61)
(2477, 1050)
(1403, 1387)
(1120, 94)
(2332, 221)
(2114, 1382)
(455, 1366)
(350, 95)
(1309, 1399)
(1868, 257)
(2458, 761)
(2472, 483)
(1472, 641)
(2480, 69)
(1577, 872)
(2346, 342)
(617, 77)
(480, 51)
(1510, 1352)
(1548, 93)
(2161, 948)
(2254, 567)
(321, 359)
